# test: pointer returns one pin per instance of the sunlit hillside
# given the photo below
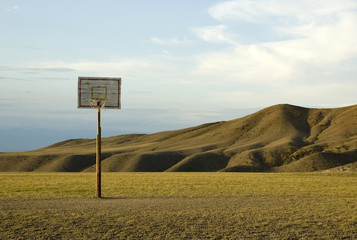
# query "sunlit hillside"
(281, 138)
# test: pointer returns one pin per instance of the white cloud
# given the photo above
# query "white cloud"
(329, 39)
(311, 60)
(125, 66)
(329, 43)
(13, 8)
(329, 94)
(215, 34)
(252, 64)
(258, 11)
(245, 98)
(171, 41)
(232, 10)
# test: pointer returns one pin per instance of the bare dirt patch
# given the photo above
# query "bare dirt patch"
(257, 217)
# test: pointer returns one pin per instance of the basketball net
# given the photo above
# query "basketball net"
(98, 104)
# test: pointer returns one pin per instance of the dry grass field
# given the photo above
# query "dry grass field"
(179, 206)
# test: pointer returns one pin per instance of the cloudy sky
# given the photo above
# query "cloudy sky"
(182, 63)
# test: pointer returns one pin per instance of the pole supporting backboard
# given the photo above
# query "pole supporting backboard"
(98, 160)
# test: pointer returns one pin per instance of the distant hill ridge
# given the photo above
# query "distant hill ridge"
(280, 138)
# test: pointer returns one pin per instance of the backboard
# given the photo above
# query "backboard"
(103, 90)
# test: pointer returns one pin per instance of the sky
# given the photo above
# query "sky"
(182, 63)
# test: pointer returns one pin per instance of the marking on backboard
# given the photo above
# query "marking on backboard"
(99, 93)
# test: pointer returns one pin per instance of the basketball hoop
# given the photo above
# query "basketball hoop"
(95, 103)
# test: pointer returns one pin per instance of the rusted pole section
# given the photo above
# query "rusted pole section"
(98, 156)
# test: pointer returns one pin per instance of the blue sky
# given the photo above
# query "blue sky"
(182, 63)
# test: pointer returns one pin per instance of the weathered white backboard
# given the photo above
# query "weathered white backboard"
(101, 89)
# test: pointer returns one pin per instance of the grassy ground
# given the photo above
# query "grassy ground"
(179, 206)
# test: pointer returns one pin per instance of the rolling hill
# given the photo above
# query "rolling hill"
(280, 138)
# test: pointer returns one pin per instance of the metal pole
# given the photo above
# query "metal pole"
(98, 156)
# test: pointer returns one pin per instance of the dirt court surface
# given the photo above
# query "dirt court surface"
(242, 217)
